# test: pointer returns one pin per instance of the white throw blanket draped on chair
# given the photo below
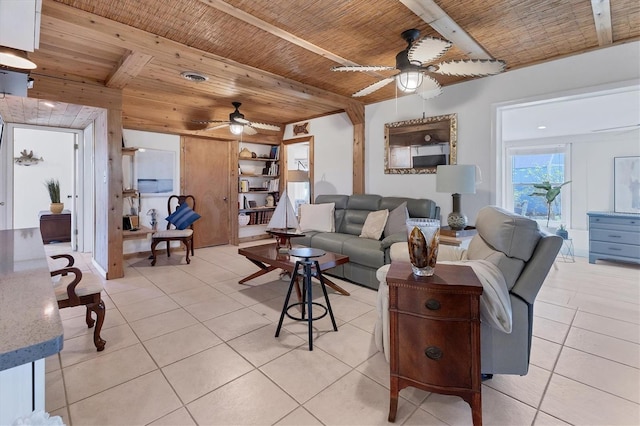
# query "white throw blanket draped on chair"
(495, 305)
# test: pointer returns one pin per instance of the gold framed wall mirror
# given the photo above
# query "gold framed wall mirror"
(418, 146)
(298, 166)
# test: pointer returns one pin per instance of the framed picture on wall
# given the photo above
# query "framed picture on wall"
(626, 184)
(155, 172)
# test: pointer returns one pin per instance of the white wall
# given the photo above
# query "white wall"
(30, 195)
(159, 141)
(333, 153)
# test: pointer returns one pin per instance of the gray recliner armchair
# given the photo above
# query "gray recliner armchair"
(523, 254)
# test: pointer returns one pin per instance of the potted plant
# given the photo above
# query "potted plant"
(549, 192)
(562, 232)
(53, 187)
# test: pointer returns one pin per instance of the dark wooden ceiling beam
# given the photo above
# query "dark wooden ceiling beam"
(127, 69)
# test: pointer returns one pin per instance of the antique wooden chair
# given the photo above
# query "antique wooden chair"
(179, 225)
(71, 292)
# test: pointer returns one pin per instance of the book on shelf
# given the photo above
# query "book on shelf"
(275, 152)
(273, 185)
(260, 217)
(273, 170)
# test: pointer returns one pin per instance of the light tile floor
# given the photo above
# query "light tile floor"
(186, 344)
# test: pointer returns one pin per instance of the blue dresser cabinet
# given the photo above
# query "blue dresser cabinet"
(614, 236)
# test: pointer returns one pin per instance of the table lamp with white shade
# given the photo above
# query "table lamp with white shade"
(456, 179)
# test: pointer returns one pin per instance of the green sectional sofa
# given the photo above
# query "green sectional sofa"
(365, 255)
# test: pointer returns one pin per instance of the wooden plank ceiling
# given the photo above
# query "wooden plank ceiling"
(275, 56)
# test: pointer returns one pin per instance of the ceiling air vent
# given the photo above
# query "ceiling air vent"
(194, 76)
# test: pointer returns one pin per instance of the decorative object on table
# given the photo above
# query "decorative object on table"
(301, 129)
(433, 142)
(53, 187)
(549, 192)
(626, 184)
(154, 218)
(423, 240)
(27, 159)
(562, 232)
(414, 64)
(283, 224)
(458, 179)
(243, 219)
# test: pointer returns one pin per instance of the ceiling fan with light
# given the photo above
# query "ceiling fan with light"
(238, 124)
(413, 65)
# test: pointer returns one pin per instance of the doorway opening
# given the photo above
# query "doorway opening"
(60, 154)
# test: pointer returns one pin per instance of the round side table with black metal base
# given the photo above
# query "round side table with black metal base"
(310, 268)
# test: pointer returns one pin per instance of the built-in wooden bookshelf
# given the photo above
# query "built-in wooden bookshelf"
(258, 190)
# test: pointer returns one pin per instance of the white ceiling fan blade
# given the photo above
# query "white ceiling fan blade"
(249, 130)
(265, 126)
(471, 67)
(372, 88)
(428, 49)
(240, 120)
(216, 126)
(430, 88)
(363, 68)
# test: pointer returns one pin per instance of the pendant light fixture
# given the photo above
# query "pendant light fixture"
(14, 58)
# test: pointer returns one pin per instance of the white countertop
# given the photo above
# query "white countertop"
(30, 324)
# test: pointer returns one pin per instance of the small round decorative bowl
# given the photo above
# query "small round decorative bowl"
(243, 219)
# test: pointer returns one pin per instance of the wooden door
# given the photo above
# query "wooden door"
(205, 174)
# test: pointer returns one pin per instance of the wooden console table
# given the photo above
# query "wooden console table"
(140, 233)
(55, 227)
(434, 333)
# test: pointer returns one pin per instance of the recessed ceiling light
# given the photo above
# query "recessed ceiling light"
(49, 104)
(194, 76)
(542, 127)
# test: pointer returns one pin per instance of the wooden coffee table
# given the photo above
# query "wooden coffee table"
(267, 258)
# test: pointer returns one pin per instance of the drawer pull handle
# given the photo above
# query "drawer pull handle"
(615, 249)
(432, 304)
(615, 236)
(433, 352)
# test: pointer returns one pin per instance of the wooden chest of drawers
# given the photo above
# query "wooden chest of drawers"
(614, 236)
(434, 329)
(55, 227)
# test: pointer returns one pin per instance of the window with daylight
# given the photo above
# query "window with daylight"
(528, 165)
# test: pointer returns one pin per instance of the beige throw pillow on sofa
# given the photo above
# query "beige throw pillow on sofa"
(374, 225)
(317, 217)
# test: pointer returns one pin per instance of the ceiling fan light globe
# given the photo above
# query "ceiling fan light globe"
(235, 128)
(409, 81)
